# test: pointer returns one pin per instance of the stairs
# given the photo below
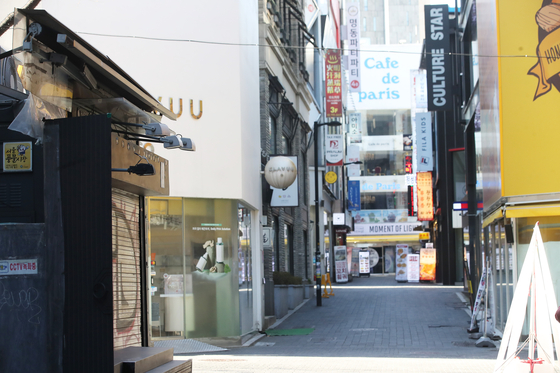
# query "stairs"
(149, 360)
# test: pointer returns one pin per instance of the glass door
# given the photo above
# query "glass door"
(245, 273)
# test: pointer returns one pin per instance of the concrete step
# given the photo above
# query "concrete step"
(141, 359)
(176, 366)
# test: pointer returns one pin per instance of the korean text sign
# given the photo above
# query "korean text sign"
(333, 82)
(425, 196)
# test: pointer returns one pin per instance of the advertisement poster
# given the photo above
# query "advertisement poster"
(401, 259)
(380, 216)
(333, 83)
(17, 156)
(341, 264)
(364, 262)
(428, 264)
(413, 267)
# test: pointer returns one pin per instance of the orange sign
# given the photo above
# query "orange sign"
(427, 264)
(333, 83)
(425, 196)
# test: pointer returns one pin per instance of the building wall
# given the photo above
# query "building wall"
(223, 77)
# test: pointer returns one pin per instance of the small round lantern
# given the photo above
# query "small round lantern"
(280, 172)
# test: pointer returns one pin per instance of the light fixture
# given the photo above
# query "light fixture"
(140, 169)
(178, 142)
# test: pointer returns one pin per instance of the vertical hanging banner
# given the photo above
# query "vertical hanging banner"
(334, 151)
(353, 155)
(333, 82)
(354, 195)
(353, 45)
(425, 196)
(424, 151)
(438, 60)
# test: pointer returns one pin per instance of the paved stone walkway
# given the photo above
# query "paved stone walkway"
(371, 324)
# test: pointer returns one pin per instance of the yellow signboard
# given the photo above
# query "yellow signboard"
(424, 235)
(527, 95)
(330, 177)
(17, 156)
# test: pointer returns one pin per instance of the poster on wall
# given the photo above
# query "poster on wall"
(341, 264)
(402, 263)
(413, 267)
(17, 156)
(428, 264)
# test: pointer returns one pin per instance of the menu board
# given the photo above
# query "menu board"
(428, 264)
(413, 267)
(364, 262)
(341, 265)
(400, 259)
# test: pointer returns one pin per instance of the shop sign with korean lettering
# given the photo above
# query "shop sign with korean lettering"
(425, 196)
(333, 82)
(17, 156)
(353, 46)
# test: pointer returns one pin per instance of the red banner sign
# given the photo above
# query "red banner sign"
(425, 196)
(333, 83)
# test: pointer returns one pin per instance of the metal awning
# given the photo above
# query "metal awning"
(64, 41)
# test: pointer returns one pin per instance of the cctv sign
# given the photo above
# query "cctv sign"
(334, 151)
(18, 267)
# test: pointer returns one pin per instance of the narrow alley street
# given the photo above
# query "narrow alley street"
(371, 324)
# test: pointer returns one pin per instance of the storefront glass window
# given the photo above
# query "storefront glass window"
(245, 272)
(194, 247)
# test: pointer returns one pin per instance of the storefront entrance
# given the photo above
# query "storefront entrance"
(200, 268)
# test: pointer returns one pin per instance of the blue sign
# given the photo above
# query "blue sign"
(354, 195)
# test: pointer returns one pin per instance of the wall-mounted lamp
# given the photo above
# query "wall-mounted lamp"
(140, 169)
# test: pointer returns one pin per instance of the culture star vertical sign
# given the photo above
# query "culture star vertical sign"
(333, 75)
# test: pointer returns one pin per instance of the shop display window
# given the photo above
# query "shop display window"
(194, 249)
